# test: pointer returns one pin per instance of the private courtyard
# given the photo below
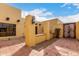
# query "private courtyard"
(53, 47)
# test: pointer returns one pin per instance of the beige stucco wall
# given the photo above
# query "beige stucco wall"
(14, 14)
(77, 30)
(55, 23)
(29, 31)
(31, 38)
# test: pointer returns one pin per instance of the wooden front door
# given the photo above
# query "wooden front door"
(69, 30)
(57, 33)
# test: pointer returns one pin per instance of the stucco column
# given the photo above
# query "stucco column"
(29, 31)
(47, 30)
(77, 30)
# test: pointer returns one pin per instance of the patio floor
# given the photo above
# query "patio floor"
(53, 47)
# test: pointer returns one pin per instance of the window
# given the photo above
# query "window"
(36, 30)
(39, 29)
(7, 29)
(33, 20)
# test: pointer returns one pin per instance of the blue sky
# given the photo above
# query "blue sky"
(54, 8)
(49, 10)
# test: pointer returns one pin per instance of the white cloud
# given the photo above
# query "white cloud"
(40, 14)
(74, 4)
(69, 7)
(64, 5)
(43, 15)
(69, 19)
(24, 13)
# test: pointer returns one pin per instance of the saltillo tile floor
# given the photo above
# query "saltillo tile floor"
(53, 47)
